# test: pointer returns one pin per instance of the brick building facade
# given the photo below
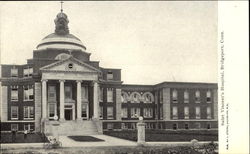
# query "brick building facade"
(61, 81)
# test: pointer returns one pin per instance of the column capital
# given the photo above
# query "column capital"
(79, 81)
(61, 80)
(44, 80)
(95, 82)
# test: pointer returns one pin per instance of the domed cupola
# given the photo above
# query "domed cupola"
(61, 22)
(61, 39)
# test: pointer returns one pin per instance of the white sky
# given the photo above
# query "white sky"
(150, 41)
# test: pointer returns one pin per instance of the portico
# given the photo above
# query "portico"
(70, 90)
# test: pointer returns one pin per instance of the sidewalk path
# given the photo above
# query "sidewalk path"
(108, 141)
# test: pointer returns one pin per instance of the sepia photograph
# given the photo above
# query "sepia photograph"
(115, 77)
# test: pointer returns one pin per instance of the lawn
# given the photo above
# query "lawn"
(166, 136)
(115, 150)
(85, 138)
(31, 138)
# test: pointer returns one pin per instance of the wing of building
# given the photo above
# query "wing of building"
(61, 82)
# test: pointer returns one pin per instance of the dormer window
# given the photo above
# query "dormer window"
(110, 75)
(14, 72)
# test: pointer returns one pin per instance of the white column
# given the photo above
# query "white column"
(96, 104)
(44, 99)
(62, 100)
(79, 100)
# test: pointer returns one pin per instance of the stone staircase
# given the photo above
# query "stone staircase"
(67, 128)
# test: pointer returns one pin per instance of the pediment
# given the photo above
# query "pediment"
(70, 65)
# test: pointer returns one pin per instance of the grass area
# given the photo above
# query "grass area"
(19, 138)
(85, 138)
(116, 150)
(167, 136)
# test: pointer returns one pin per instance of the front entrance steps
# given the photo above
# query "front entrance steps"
(75, 127)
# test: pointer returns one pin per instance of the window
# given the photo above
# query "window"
(186, 112)
(27, 72)
(68, 92)
(28, 93)
(100, 94)
(52, 110)
(110, 75)
(135, 112)
(186, 97)
(124, 126)
(208, 126)
(84, 110)
(70, 65)
(175, 126)
(148, 98)
(124, 97)
(110, 126)
(101, 112)
(156, 112)
(161, 97)
(175, 112)
(52, 93)
(62, 56)
(109, 94)
(208, 96)
(135, 98)
(14, 112)
(209, 114)
(197, 125)
(14, 126)
(174, 96)
(14, 72)
(14, 93)
(161, 112)
(148, 112)
(124, 112)
(84, 91)
(110, 113)
(197, 112)
(186, 126)
(29, 127)
(28, 112)
(197, 96)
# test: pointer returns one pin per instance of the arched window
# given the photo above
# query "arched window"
(148, 97)
(62, 56)
(124, 97)
(135, 97)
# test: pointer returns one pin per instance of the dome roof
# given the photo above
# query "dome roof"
(66, 41)
(61, 38)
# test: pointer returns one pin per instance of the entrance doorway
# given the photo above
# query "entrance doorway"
(68, 114)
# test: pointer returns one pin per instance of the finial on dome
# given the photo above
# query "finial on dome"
(61, 6)
(61, 22)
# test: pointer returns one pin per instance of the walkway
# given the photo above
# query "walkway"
(67, 142)
(108, 141)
